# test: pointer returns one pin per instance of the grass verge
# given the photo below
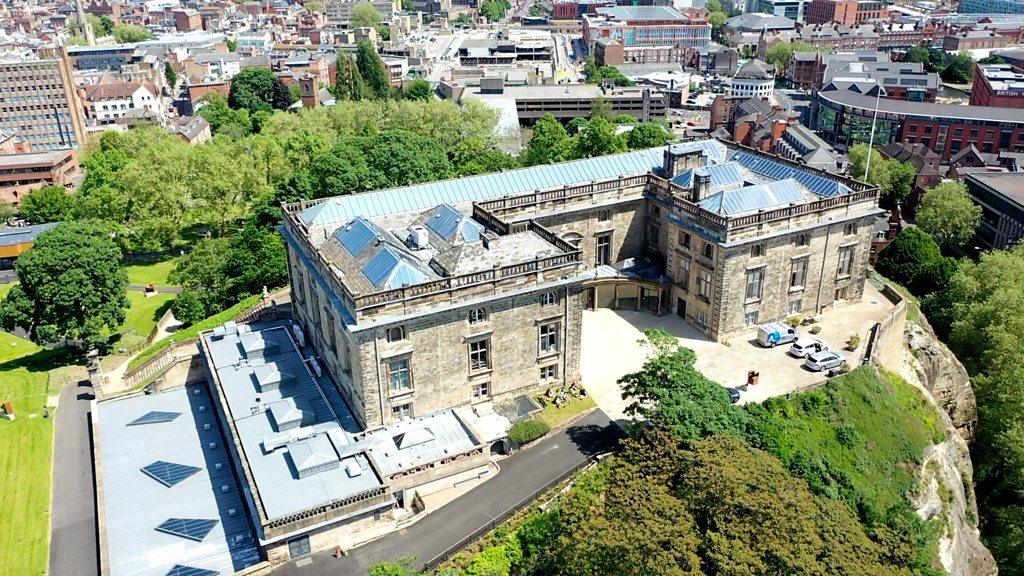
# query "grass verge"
(154, 271)
(554, 416)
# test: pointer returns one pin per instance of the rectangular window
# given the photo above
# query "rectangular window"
(477, 315)
(401, 411)
(480, 355)
(702, 318)
(750, 318)
(845, 260)
(481, 390)
(399, 375)
(549, 337)
(795, 307)
(684, 274)
(549, 372)
(604, 249)
(755, 282)
(548, 299)
(704, 284)
(842, 293)
(798, 274)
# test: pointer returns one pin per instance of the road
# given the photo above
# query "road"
(73, 541)
(521, 475)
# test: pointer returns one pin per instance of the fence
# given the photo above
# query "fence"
(451, 551)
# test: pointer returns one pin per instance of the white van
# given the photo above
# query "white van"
(775, 333)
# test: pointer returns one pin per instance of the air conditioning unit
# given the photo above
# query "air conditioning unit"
(418, 238)
(315, 367)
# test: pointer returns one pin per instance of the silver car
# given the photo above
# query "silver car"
(825, 360)
(805, 346)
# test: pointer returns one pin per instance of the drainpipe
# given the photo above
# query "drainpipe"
(821, 276)
(565, 337)
(380, 385)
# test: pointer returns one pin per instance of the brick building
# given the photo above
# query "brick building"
(998, 85)
(845, 12)
(974, 40)
(187, 20)
(646, 33)
(23, 172)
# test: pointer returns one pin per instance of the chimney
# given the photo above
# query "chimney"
(701, 184)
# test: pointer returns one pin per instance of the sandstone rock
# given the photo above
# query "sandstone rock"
(944, 377)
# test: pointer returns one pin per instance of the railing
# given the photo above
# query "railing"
(561, 194)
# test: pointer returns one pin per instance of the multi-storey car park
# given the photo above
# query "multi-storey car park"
(420, 313)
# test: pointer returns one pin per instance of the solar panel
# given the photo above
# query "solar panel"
(180, 570)
(154, 417)
(190, 528)
(776, 171)
(169, 473)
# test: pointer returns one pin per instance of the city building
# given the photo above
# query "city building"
(901, 80)
(757, 22)
(643, 34)
(926, 165)
(16, 240)
(575, 9)
(754, 79)
(1001, 197)
(109, 102)
(801, 144)
(844, 117)
(792, 9)
(38, 100)
(998, 85)
(974, 40)
(100, 57)
(187, 20)
(340, 12)
(992, 6)
(435, 295)
(194, 129)
(720, 60)
(845, 12)
(21, 173)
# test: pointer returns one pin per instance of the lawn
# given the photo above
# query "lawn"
(151, 271)
(5, 288)
(25, 457)
(553, 416)
(145, 312)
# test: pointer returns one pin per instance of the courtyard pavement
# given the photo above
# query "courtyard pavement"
(521, 475)
(73, 542)
(611, 348)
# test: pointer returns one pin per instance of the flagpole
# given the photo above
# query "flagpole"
(871, 138)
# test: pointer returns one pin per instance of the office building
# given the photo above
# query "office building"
(1001, 197)
(643, 34)
(38, 100)
(999, 85)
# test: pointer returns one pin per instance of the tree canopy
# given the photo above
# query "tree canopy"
(372, 70)
(914, 260)
(46, 204)
(258, 89)
(895, 179)
(129, 34)
(71, 286)
(948, 214)
(494, 10)
(419, 89)
(960, 70)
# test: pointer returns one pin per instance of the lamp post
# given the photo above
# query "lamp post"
(871, 137)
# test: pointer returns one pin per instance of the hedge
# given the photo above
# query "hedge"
(527, 431)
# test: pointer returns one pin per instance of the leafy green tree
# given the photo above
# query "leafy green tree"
(901, 180)
(779, 55)
(46, 204)
(255, 260)
(717, 20)
(713, 5)
(350, 84)
(419, 89)
(550, 143)
(398, 157)
(669, 391)
(223, 119)
(494, 10)
(129, 34)
(371, 67)
(364, 15)
(314, 6)
(71, 287)
(170, 75)
(647, 135)
(407, 6)
(475, 156)
(917, 54)
(894, 178)
(599, 137)
(188, 308)
(960, 70)
(948, 214)
(914, 260)
(993, 59)
(232, 45)
(601, 108)
(401, 568)
(256, 89)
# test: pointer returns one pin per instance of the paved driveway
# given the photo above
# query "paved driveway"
(521, 475)
(611, 349)
(73, 541)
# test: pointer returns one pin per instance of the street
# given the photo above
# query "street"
(521, 475)
(73, 542)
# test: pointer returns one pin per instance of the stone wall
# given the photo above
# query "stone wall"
(345, 534)
(625, 226)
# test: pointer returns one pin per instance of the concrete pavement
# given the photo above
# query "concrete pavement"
(521, 475)
(73, 540)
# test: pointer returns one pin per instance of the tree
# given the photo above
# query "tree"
(993, 59)
(948, 214)
(364, 15)
(550, 143)
(599, 137)
(105, 26)
(419, 89)
(350, 84)
(601, 108)
(371, 68)
(779, 55)
(256, 89)
(917, 54)
(314, 6)
(255, 260)
(71, 286)
(474, 156)
(46, 204)
(901, 180)
(129, 34)
(647, 135)
(960, 70)
(399, 157)
(669, 391)
(717, 21)
(170, 75)
(222, 118)
(494, 10)
(713, 5)
(914, 260)
(188, 308)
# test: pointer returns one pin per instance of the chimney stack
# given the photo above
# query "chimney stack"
(701, 184)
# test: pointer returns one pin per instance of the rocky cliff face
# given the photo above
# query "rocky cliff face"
(947, 476)
(939, 371)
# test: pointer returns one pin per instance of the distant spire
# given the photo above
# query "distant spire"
(83, 24)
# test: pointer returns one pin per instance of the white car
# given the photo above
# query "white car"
(825, 361)
(805, 346)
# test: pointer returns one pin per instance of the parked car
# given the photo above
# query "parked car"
(772, 334)
(805, 346)
(825, 361)
(734, 395)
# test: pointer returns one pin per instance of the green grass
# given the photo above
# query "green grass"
(5, 288)
(151, 271)
(554, 417)
(194, 330)
(913, 302)
(144, 313)
(859, 439)
(28, 374)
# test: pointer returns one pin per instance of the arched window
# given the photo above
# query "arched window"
(850, 229)
(803, 239)
(604, 215)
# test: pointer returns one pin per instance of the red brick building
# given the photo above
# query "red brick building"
(998, 85)
(845, 12)
(187, 20)
(974, 40)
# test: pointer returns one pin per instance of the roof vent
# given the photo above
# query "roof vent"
(418, 238)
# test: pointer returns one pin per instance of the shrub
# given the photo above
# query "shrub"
(793, 321)
(188, 308)
(854, 341)
(527, 431)
(815, 329)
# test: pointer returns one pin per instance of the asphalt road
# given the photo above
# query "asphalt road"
(521, 475)
(73, 541)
